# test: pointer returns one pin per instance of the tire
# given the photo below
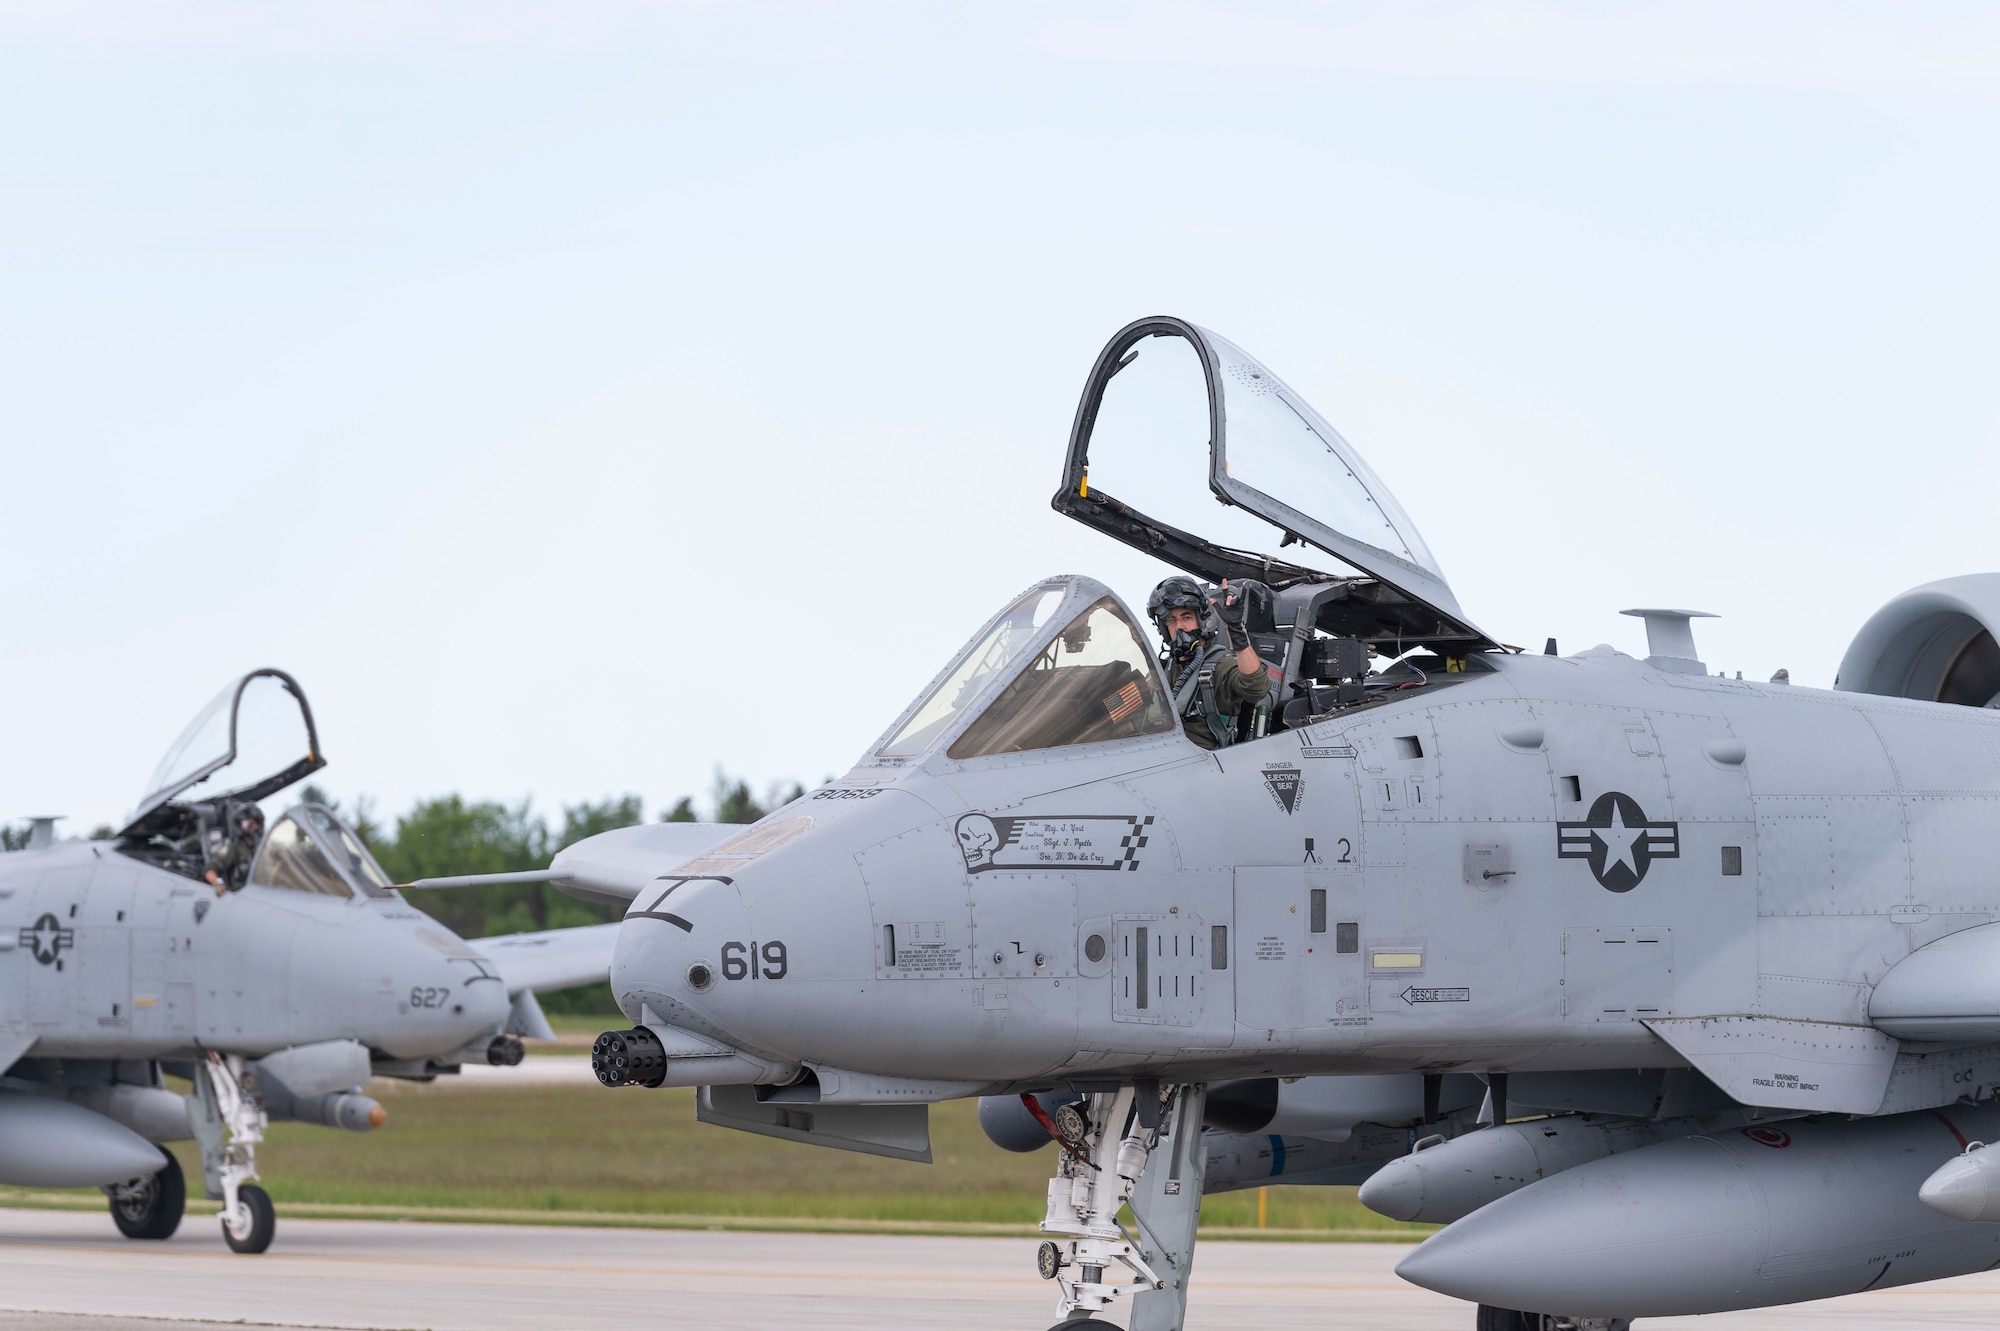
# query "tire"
(263, 1221)
(150, 1207)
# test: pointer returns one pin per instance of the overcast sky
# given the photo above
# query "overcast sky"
(579, 397)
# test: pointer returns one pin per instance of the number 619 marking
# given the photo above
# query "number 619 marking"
(739, 961)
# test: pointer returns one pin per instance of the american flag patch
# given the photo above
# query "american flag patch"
(1124, 702)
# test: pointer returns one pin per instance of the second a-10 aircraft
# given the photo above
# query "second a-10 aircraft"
(276, 969)
(1714, 960)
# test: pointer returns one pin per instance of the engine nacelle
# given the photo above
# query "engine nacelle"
(1935, 642)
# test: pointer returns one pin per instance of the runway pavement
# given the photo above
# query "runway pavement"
(71, 1272)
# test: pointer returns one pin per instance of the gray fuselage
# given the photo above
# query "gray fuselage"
(102, 956)
(1793, 844)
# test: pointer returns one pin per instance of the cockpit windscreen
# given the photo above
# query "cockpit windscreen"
(1095, 681)
(311, 850)
(975, 667)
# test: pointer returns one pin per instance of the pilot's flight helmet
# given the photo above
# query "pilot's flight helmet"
(247, 822)
(1179, 593)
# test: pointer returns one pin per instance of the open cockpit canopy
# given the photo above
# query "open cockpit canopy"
(258, 731)
(1186, 447)
(1066, 663)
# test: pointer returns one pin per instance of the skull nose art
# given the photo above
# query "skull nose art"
(978, 838)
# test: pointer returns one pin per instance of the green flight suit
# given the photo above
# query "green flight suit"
(1210, 693)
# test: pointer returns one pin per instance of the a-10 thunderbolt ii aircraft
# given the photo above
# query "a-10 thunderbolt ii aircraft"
(277, 976)
(1717, 958)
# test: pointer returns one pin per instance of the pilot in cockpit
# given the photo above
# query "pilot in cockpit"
(230, 845)
(1212, 684)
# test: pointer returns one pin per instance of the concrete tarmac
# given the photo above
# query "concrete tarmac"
(64, 1271)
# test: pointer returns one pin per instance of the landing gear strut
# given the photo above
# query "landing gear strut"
(150, 1206)
(228, 1123)
(1104, 1164)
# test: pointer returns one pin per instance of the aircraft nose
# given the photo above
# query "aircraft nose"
(485, 1004)
(678, 947)
(438, 995)
(767, 942)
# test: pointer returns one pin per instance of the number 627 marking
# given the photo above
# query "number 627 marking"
(740, 961)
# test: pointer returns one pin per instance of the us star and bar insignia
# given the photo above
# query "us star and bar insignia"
(1619, 841)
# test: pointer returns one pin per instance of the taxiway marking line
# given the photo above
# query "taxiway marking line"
(708, 1272)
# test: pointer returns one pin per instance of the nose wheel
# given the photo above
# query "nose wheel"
(150, 1206)
(256, 1220)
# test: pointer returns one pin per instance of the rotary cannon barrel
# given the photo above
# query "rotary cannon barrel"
(629, 1058)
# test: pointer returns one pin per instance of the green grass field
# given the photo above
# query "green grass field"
(584, 1155)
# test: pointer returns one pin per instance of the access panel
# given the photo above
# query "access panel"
(1160, 968)
(1272, 906)
(1617, 973)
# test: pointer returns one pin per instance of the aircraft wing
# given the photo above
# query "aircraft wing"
(551, 959)
(611, 867)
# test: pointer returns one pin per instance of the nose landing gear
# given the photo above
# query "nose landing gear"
(228, 1163)
(1138, 1146)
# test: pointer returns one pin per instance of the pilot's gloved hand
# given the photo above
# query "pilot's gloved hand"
(1230, 603)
